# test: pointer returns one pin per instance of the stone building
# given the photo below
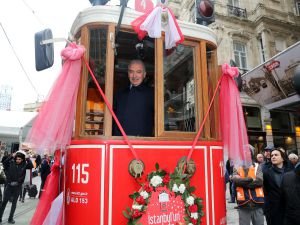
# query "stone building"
(250, 32)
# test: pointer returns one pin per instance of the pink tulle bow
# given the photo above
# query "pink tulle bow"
(53, 126)
(234, 132)
(231, 71)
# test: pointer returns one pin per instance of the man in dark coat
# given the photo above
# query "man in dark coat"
(134, 106)
(291, 196)
(45, 170)
(15, 170)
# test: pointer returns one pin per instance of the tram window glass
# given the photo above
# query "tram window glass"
(212, 71)
(179, 89)
(94, 103)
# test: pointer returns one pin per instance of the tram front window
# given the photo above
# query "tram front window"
(134, 101)
(179, 89)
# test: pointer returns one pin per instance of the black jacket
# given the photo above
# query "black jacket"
(134, 107)
(291, 198)
(273, 207)
(14, 172)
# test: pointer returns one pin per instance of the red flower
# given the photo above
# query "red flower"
(136, 213)
(140, 200)
(193, 208)
(193, 221)
(148, 188)
(166, 178)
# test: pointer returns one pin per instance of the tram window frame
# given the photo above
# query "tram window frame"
(161, 132)
(202, 83)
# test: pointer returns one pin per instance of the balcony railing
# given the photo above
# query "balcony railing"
(236, 11)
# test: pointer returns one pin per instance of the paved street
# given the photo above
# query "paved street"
(24, 211)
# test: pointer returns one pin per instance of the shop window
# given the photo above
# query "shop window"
(281, 121)
(252, 118)
(179, 89)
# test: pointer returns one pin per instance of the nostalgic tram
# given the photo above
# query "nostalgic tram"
(101, 170)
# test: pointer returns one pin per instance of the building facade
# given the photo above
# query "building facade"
(250, 32)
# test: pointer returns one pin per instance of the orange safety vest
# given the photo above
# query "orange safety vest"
(245, 195)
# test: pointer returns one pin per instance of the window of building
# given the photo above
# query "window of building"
(298, 8)
(252, 118)
(240, 56)
(281, 121)
(235, 3)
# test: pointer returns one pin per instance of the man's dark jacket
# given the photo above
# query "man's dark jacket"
(134, 107)
(14, 172)
(291, 198)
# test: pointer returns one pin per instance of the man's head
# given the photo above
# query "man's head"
(260, 158)
(267, 152)
(136, 72)
(20, 156)
(293, 158)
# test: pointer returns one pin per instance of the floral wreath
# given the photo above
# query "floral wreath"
(177, 182)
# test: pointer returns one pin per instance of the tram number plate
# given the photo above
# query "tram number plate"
(80, 173)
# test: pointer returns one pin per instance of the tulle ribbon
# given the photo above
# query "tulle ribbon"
(152, 24)
(53, 126)
(43, 213)
(234, 132)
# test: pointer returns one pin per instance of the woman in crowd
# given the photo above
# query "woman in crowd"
(273, 207)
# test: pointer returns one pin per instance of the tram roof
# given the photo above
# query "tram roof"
(110, 14)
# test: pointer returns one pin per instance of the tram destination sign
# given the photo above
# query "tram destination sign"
(271, 83)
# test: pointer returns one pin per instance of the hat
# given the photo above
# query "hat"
(269, 148)
(21, 154)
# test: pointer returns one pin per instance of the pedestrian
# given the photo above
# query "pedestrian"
(134, 105)
(293, 158)
(15, 167)
(229, 170)
(249, 194)
(267, 158)
(272, 177)
(259, 158)
(28, 178)
(291, 196)
(44, 171)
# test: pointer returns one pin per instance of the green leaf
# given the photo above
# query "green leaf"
(126, 215)
(156, 166)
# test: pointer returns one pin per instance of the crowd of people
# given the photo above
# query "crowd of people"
(268, 190)
(19, 169)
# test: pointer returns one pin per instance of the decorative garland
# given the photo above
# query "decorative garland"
(178, 183)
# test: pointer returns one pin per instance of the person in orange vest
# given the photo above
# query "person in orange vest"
(249, 194)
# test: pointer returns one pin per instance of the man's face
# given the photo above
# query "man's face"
(267, 154)
(260, 158)
(136, 74)
(18, 160)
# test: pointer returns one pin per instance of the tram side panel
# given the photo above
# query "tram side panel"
(84, 185)
(98, 184)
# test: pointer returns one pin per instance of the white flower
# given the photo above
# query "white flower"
(138, 207)
(144, 194)
(155, 181)
(190, 200)
(182, 188)
(190, 224)
(175, 188)
(194, 215)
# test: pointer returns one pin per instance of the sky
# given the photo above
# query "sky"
(19, 21)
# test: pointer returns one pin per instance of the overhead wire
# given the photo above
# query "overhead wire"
(20, 63)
